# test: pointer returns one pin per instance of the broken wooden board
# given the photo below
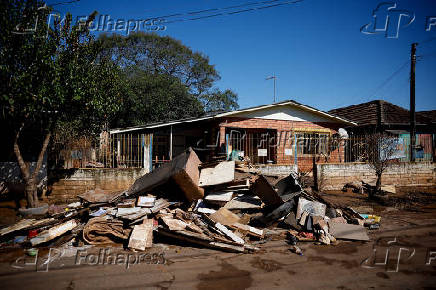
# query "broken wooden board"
(100, 196)
(348, 231)
(146, 201)
(53, 232)
(224, 216)
(174, 224)
(205, 210)
(24, 224)
(224, 172)
(311, 207)
(219, 198)
(183, 169)
(244, 202)
(127, 203)
(200, 240)
(229, 233)
(263, 189)
(142, 236)
(248, 230)
(159, 204)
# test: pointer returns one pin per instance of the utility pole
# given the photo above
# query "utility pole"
(412, 102)
(274, 78)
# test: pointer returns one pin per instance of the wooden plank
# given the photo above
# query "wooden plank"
(219, 197)
(248, 229)
(205, 210)
(100, 196)
(24, 224)
(174, 224)
(224, 172)
(229, 233)
(142, 236)
(201, 241)
(224, 216)
(53, 232)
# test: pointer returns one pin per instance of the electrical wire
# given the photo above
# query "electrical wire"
(222, 11)
(387, 80)
(63, 3)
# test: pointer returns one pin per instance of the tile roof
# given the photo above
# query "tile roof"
(368, 114)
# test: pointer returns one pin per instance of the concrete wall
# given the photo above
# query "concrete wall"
(77, 181)
(334, 176)
(275, 169)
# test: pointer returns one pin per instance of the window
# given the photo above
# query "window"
(312, 143)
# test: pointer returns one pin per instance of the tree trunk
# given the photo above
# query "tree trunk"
(30, 180)
(378, 183)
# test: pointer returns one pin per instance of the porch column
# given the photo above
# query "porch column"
(171, 142)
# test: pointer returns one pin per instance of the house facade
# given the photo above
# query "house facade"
(285, 133)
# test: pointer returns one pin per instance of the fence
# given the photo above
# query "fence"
(263, 147)
(363, 148)
(108, 151)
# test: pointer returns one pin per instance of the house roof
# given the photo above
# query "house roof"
(369, 113)
(431, 115)
(231, 113)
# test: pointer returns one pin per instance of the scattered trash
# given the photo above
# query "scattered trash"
(224, 205)
(296, 250)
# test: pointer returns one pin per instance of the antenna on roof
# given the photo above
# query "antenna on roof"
(274, 78)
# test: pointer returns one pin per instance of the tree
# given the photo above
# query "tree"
(51, 75)
(220, 101)
(380, 154)
(155, 98)
(155, 64)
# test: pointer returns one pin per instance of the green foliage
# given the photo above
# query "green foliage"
(220, 101)
(166, 79)
(53, 73)
(155, 98)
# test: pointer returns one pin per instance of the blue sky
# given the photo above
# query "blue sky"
(315, 48)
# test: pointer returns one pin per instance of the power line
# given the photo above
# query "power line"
(225, 11)
(62, 3)
(428, 40)
(214, 9)
(389, 78)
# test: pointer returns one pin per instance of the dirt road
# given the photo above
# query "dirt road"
(400, 255)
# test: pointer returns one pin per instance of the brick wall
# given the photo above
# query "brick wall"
(78, 181)
(284, 128)
(334, 176)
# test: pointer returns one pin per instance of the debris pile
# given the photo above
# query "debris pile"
(225, 205)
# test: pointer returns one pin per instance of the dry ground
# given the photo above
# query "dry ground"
(348, 265)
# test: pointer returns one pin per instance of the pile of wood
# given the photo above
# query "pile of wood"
(224, 205)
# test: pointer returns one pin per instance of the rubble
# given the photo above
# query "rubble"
(223, 205)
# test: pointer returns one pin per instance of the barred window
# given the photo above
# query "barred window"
(312, 143)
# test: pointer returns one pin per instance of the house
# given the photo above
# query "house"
(284, 133)
(382, 116)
